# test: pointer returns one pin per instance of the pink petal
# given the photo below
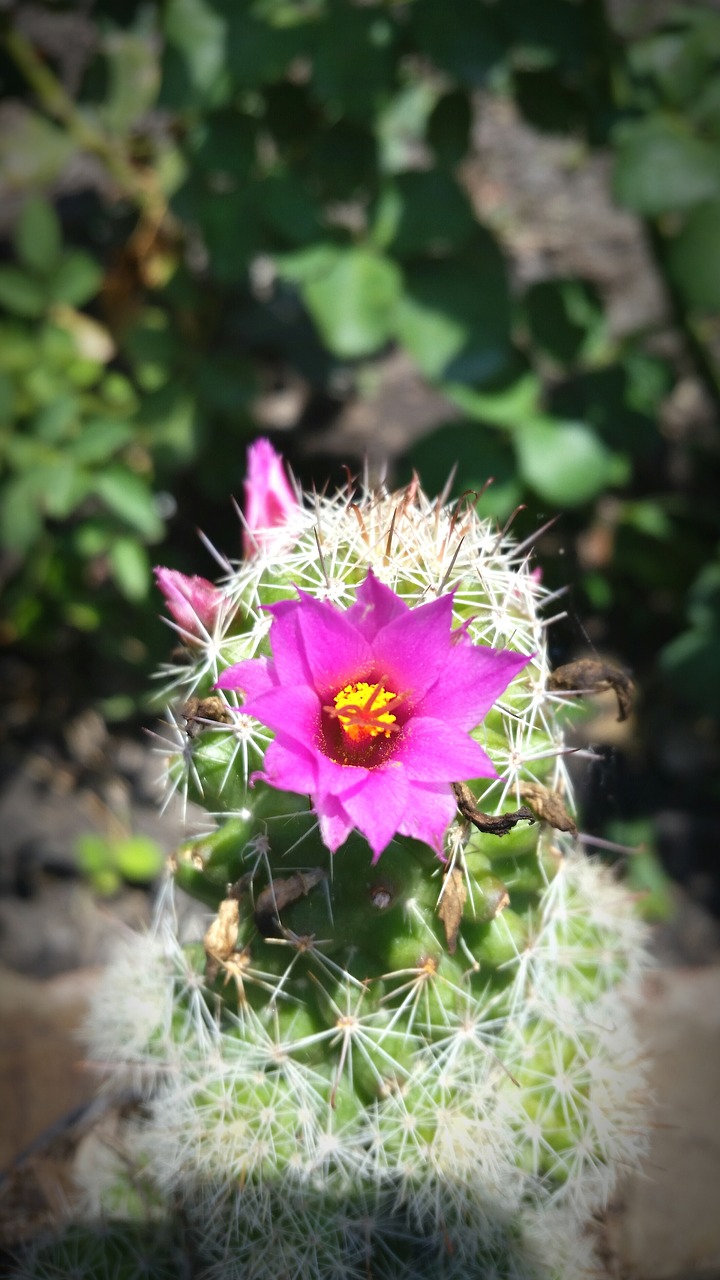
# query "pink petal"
(378, 806)
(288, 645)
(433, 751)
(337, 779)
(270, 503)
(375, 607)
(335, 825)
(294, 712)
(253, 677)
(194, 602)
(335, 650)
(289, 767)
(472, 680)
(413, 650)
(429, 812)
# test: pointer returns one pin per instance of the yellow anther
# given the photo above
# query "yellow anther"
(359, 708)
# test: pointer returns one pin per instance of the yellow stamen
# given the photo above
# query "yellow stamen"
(358, 707)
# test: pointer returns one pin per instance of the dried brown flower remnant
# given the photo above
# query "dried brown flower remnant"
(496, 824)
(548, 806)
(451, 905)
(595, 675)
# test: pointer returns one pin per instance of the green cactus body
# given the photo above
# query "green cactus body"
(357, 1080)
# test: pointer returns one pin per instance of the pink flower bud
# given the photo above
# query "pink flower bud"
(270, 503)
(193, 602)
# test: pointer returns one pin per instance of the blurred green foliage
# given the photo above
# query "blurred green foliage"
(276, 191)
(109, 863)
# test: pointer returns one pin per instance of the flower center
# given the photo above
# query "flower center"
(361, 710)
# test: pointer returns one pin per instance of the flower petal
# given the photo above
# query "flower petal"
(335, 824)
(335, 650)
(413, 650)
(294, 712)
(378, 806)
(432, 751)
(289, 767)
(288, 645)
(271, 506)
(430, 810)
(471, 681)
(253, 677)
(375, 606)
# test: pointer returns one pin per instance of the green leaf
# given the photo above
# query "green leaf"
(660, 167)
(342, 162)
(130, 498)
(95, 855)
(554, 33)
(354, 60)
(33, 152)
(38, 237)
(307, 264)
(139, 858)
(288, 209)
(353, 303)
(229, 222)
(77, 279)
(564, 462)
(464, 38)
(7, 399)
(549, 102)
(198, 32)
(401, 123)
(130, 568)
(99, 439)
(454, 315)
(565, 318)
(21, 523)
(694, 257)
(64, 488)
(448, 129)
(54, 421)
(20, 293)
(134, 80)
(171, 420)
(257, 51)
(423, 213)
(509, 406)
(224, 143)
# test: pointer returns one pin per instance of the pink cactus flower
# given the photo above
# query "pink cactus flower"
(372, 709)
(193, 602)
(271, 505)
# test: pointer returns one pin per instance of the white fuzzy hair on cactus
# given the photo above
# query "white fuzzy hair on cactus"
(404, 1046)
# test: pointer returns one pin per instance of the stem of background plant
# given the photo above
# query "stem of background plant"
(142, 189)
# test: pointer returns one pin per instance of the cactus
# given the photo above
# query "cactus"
(413, 1055)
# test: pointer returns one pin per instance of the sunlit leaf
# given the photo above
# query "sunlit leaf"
(134, 79)
(21, 293)
(38, 237)
(130, 568)
(660, 166)
(564, 462)
(353, 303)
(130, 498)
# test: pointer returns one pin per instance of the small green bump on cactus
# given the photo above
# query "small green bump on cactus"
(487, 896)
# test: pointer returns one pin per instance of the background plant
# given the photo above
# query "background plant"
(271, 195)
